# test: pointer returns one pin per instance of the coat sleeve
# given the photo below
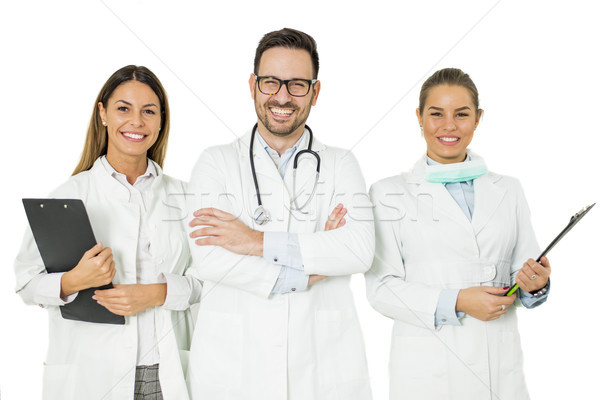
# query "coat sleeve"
(207, 188)
(526, 245)
(387, 289)
(33, 283)
(349, 249)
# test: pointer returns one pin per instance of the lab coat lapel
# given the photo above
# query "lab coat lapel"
(488, 197)
(436, 196)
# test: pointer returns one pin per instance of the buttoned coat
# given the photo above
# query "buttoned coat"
(250, 344)
(98, 361)
(425, 244)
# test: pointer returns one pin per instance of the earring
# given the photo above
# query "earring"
(422, 133)
(104, 123)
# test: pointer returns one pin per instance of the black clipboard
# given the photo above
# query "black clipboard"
(62, 231)
(572, 222)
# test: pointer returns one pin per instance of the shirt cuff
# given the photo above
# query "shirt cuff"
(44, 290)
(530, 301)
(445, 313)
(283, 248)
(290, 280)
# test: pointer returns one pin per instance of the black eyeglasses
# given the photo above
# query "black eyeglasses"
(270, 85)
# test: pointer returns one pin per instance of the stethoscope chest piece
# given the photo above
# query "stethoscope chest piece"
(261, 215)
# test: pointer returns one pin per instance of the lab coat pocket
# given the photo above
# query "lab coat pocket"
(336, 332)
(464, 274)
(327, 332)
(59, 381)
(219, 339)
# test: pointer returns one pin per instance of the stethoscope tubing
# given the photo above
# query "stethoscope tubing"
(309, 150)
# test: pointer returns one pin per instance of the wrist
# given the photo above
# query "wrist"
(258, 243)
(160, 294)
(459, 297)
(68, 284)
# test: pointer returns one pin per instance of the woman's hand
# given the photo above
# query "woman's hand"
(534, 276)
(131, 299)
(335, 220)
(484, 302)
(96, 268)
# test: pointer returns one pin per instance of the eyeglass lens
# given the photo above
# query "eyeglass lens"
(295, 87)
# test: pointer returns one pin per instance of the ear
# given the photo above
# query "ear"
(102, 111)
(478, 117)
(316, 91)
(252, 84)
(419, 117)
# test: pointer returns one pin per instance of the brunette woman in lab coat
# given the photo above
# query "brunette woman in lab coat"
(135, 212)
(452, 237)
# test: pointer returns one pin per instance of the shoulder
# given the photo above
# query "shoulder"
(220, 153)
(510, 183)
(392, 184)
(173, 183)
(76, 186)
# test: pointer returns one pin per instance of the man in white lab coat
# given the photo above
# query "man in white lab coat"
(277, 319)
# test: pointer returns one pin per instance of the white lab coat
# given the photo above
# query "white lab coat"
(425, 243)
(304, 345)
(97, 361)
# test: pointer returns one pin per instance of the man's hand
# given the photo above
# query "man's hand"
(484, 302)
(219, 228)
(534, 276)
(131, 299)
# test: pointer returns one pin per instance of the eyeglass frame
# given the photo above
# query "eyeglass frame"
(285, 82)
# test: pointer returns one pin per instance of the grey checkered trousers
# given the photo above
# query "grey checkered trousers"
(147, 386)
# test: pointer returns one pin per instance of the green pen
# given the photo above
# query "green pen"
(572, 222)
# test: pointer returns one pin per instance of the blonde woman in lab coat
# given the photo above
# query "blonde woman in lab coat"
(134, 210)
(452, 237)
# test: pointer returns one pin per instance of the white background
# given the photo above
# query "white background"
(535, 63)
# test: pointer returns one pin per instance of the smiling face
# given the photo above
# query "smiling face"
(449, 119)
(281, 114)
(132, 115)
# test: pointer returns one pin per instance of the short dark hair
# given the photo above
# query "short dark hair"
(451, 77)
(291, 39)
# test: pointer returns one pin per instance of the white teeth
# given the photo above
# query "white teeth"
(449, 139)
(133, 135)
(281, 111)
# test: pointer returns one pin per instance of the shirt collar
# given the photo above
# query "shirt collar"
(150, 170)
(287, 153)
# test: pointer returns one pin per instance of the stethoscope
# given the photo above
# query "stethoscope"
(261, 214)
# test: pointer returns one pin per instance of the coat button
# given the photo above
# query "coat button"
(159, 260)
(275, 259)
(293, 289)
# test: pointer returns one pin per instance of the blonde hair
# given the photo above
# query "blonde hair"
(96, 140)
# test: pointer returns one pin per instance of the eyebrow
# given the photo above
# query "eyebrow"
(129, 104)
(458, 109)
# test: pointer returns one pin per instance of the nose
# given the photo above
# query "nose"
(449, 123)
(136, 119)
(283, 96)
